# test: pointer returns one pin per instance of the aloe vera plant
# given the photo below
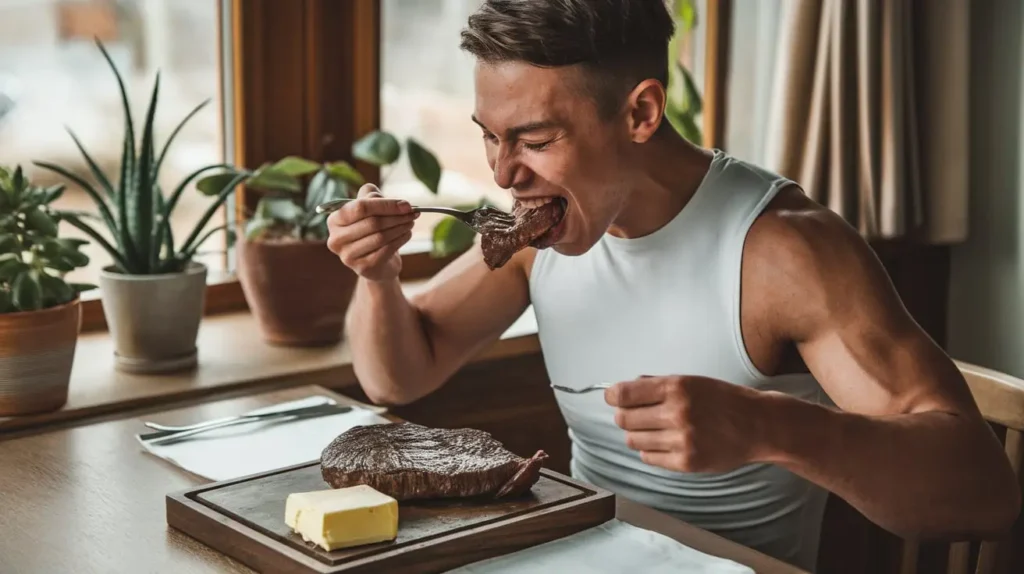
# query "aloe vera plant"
(134, 209)
(282, 214)
(33, 259)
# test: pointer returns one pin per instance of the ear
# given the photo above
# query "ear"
(646, 107)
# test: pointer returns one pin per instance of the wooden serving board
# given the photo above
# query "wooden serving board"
(244, 519)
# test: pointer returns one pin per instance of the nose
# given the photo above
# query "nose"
(509, 172)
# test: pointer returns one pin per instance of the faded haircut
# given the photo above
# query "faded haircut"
(615, 43)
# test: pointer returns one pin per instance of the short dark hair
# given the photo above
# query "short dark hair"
(618, 43)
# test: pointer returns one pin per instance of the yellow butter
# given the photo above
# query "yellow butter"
(342, 517)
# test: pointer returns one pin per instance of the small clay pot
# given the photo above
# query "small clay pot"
(37, 350)
(298, 291)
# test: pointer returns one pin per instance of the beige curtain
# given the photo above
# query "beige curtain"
(869, 112)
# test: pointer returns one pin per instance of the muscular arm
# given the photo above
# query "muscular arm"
(405, 348)
(908, 446)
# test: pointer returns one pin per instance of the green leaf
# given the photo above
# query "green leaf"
(38, 220)
(114, 253)
(26, 293)
(686, 13)
(424, 165)
(281, 209)
(53, 193)
(95, 169)
(692, 103)
(451, 236)
(143, 214)
(268, 179)
(80, 287)
(214, 184)
(55, 290)
(323, 187)
(211, 209)
(11, 267)
(8, 242)
(255, 227)
(295, 166)
(342, 170)
(377, 148)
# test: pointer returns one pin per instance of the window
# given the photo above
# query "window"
(52, 75)
(427, 93)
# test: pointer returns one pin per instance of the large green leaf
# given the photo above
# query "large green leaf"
(54, 290)
(38, 220)
(377, 148)
(295, 166)
(344, 171)
(267, 178)
(451, 236)
(424, 165)
(214, 184)
(255, 227)
(26, 293)
(143, 210)
(280, 209)
(692, 103)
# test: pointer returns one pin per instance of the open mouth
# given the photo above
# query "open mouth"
(538, 222)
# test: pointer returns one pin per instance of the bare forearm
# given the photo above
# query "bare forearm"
(930, 474)
(391, 353)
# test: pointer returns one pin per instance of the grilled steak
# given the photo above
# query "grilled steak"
(408, 461)
(500, 243)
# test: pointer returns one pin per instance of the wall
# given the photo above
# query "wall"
(987, 280)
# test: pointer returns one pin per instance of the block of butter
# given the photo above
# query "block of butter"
(342, 517)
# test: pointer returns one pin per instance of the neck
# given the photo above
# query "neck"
(670, 169)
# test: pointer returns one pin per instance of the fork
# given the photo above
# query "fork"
(587, 389)
(480, 219)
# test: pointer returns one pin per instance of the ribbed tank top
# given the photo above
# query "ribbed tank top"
(662, 304)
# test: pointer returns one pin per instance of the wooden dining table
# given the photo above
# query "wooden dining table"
(91, 499)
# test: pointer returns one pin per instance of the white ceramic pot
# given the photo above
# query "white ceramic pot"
(154, 319)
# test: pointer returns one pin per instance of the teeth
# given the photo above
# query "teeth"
(535, 202)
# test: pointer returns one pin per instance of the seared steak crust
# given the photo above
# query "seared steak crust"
(408, 461)
(500, 243)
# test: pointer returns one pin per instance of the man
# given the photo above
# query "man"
(724, 304)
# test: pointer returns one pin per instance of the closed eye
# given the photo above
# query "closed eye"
(537, 146)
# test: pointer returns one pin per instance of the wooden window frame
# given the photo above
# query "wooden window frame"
(305, 81)
(305, 78)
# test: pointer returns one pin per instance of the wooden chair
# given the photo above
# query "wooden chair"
(1001, 400)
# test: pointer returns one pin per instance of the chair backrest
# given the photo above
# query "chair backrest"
(1001, 400)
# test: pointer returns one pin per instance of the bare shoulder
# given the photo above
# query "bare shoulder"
(807, 262)
(810, 281)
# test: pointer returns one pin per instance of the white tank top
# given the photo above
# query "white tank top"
(662, 304)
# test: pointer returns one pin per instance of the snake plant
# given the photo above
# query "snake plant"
(33, 259)
(134, 209)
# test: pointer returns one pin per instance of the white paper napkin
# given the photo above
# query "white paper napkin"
(614, 547)
(242, 450)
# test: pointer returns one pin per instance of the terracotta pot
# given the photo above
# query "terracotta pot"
(298, 291)
(154, 319)
(37, 350)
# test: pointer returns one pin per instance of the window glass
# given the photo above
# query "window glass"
(52, 75)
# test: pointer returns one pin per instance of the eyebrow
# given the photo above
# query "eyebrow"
(516, 131)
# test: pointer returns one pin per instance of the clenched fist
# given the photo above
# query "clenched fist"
(367, 233)
(689, 424)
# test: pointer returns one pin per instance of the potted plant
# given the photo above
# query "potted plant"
(154, 292)
(297, 289)
(40, 313)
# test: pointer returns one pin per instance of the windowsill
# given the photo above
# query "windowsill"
(233, 360)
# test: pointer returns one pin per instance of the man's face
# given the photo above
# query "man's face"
(545, 142)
